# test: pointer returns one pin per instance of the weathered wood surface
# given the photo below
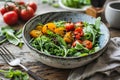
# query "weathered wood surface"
(46, 72)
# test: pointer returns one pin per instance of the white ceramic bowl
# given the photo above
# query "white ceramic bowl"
(112, 14)
(64, 62)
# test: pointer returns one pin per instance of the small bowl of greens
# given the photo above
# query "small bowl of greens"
(66, 39)
(75, 5)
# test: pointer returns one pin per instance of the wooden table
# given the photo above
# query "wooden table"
(46, 72)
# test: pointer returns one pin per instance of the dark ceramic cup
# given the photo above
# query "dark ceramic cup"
(97, 3)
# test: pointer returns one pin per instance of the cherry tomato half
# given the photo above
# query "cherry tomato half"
(78, 32)
(69, 26)
(20, 2)
(87, 44)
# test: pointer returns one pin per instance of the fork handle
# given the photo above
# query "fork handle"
(33, 75)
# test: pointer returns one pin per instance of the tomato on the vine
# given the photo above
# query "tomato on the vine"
(20, 2)
(33, 5)
(26, 13)
(19, 9)
(3, 10)
(10, 17)
(7, 8)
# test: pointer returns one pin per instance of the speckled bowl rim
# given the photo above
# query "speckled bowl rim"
(59, 57)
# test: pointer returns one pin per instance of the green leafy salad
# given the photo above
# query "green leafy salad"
(66, 39)
(76, 3)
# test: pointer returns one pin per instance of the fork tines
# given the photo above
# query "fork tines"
(6, 54)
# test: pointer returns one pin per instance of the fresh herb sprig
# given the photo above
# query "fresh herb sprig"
(15, 74)
(12, 36)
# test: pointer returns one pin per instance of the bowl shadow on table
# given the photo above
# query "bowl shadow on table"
(67, 62)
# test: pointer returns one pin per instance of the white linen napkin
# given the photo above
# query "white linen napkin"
(106, 67)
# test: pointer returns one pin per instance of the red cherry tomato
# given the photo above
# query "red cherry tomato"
(3, 10)
(78, 29)
(9, 7)
(10, 17)
(74, 43)
(77, 36)
(20, 3)
(27, 13)
(87, 44)
(17, 10)
(33, 5)
(69, 26)
(78, 32)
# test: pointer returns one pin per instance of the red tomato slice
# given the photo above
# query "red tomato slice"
(69, 26)
(88, 44)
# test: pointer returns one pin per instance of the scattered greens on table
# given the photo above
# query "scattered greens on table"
(69, 3)
(15, 74)
(76, 3)
(53, 3)
(53, 44)
(10, 35)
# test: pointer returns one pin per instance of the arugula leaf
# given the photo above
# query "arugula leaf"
(18, 34)
(97, 23)
(92, 31)
(81, 47)
(61, 41)
(59, 23)
(12, 36)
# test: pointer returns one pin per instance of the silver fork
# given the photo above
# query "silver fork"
(12, 61)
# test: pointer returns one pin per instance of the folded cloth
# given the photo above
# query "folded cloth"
(106, 67)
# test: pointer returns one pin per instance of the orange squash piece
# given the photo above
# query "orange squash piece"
(51, 26)
(60, 31)
(39, 28)
(68, 37)
(44, 29)
(35, 33)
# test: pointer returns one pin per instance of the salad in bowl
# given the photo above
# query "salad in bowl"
(65, 39)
